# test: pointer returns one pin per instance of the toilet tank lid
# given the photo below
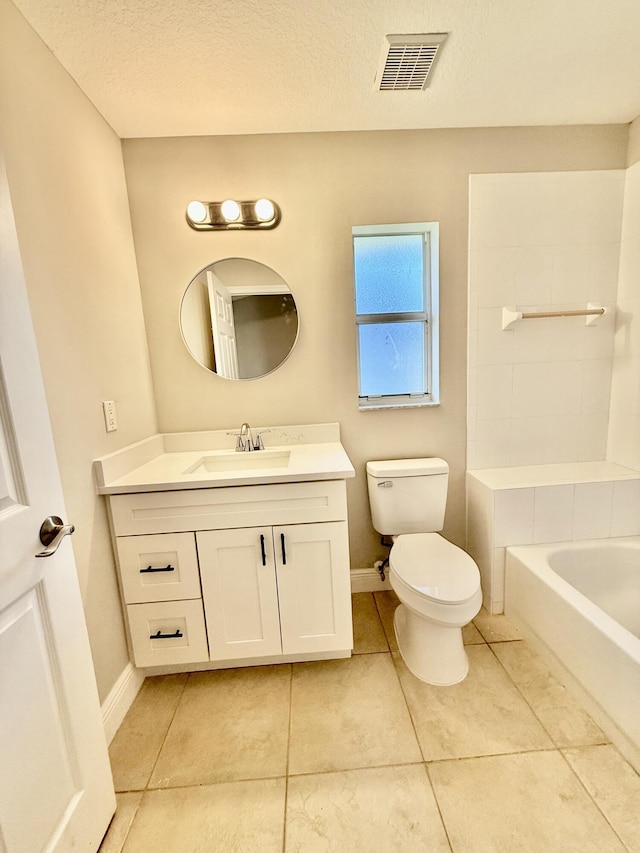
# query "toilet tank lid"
(407, 467)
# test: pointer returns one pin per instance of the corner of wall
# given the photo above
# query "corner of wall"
(633, 143)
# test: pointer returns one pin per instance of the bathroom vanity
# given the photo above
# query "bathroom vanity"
(232, 558)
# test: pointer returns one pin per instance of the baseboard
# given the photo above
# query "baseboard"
(368, 580)
(120, 699)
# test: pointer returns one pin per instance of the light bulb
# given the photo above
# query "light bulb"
(264, 209)
(230, 210)
(196, 211)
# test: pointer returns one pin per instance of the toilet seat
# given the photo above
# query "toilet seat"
(434, 569)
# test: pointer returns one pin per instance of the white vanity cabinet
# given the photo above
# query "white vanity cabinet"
(231, 575)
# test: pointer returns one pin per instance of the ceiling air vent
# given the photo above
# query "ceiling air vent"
(407, 61)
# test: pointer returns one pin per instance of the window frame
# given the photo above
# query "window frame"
(430, 232)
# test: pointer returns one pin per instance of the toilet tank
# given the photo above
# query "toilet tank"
(408, 495)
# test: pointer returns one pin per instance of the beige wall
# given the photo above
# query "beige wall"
(325, 183)
(65, 171)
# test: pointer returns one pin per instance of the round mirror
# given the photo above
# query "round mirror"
(238, 319)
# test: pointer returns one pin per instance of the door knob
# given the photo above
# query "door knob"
(52, 532)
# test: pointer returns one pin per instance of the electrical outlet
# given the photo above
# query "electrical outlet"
(110, 419)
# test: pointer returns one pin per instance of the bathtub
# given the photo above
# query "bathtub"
(580, 601)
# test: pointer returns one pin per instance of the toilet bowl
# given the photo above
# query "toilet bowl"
(437, 583)
(438, 586)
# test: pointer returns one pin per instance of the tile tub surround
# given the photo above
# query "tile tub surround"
(532, 770)
(545, 503)
(539, 393)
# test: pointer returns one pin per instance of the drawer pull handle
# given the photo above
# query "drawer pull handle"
(149, 569)
(284, 553)
(160, 636)
(264, 556)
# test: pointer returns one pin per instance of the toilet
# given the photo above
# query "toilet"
(438, 584)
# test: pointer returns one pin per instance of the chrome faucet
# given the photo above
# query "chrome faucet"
(245, 441)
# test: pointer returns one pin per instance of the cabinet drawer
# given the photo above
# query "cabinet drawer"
(229, 507)
(168, 632)
(158, 568)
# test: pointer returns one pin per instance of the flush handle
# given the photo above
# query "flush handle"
(52, 532)
(386, 484)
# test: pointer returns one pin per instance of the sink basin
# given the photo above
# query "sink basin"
(257, 459)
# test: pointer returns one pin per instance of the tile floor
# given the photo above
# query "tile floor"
(358, 755)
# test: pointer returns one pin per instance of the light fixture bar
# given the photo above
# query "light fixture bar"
(232, 215)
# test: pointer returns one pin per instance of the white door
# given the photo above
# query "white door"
(223, 327)
(314, 587)
(239, 591)
(56, 792)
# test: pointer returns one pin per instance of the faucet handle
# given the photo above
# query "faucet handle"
(238, 437)
(259, 444)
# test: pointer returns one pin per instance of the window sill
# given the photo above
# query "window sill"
(399, 403)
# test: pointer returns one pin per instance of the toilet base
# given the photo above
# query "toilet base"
(433, 653)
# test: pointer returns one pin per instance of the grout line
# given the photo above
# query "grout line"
(286, 781)
(166, 734)
(588, 793)
(384, 633)
(406, 702)
(437, 802)
(536, 714)
(493, 755)
(356, 769)
(521, 693)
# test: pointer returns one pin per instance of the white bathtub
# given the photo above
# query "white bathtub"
(582, 601)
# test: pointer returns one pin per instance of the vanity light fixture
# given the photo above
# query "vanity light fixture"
(230, 215)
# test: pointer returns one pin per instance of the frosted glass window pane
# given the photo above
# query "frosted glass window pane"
(391, 358)
(388, 274)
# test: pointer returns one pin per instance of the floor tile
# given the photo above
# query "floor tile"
(226, 818)
(348, 714)
(529, 802)
(385, 809)
(126, 809)
(386, 602)
(614, 785)
(565, 721)
(231, 724)
(495, 629)
(368, 634)
(471, 636)
(483, 715)
(135, 748)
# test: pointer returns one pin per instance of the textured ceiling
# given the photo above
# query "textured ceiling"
(201, 67)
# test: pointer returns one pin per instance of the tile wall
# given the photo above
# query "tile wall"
(624, 418)
(545, 241)
(501, 515)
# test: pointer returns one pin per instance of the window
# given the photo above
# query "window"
(396, 291)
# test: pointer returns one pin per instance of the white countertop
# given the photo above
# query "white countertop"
(165, 462)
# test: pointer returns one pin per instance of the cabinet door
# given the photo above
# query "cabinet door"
(239, 591)
(314, 587)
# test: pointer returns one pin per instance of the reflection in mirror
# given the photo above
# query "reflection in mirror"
(238, 319)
